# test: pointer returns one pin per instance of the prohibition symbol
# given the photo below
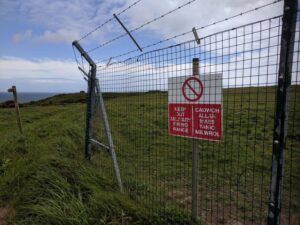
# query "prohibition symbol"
(195, 86)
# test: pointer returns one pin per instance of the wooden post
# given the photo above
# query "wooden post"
(195, 159)
(13, 89)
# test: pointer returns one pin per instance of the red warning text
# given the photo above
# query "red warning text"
(201, 121)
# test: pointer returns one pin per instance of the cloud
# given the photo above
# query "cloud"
(59, 36)
(19, 37)
(65, 20)
(62, 20)
(198, 14)
(44, 75)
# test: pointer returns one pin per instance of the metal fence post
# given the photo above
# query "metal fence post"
(93, 90)
(195, 159)
(281, 117)
(108, 135)
(89, 111)
(90, 98)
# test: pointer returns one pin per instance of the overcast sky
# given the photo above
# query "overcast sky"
(36, 35)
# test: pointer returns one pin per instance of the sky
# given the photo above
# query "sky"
(36, 37)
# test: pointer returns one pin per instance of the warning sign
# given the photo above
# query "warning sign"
(195, 86)
(195, 106)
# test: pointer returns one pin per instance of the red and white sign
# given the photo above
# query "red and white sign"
(195, 106)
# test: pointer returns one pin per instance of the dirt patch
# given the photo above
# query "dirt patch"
(215, 213)
(3, 214)
(292, 219)
(182, 196)
(233, 222)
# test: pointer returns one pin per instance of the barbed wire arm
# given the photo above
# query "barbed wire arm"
(130, 35)
(196, 35)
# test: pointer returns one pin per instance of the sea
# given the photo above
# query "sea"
(24, 97)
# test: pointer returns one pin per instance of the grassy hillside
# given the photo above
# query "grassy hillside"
(61, 99)
(234, 174)
(45, 180)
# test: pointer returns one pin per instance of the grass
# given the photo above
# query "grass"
(45, 180)
(234, 175)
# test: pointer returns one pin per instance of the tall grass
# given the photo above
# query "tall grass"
(44, 178)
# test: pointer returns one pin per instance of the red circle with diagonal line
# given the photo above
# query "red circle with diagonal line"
(195, 86)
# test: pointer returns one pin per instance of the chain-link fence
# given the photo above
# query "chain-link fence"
(234, 172)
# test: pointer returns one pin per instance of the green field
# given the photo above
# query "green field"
(234, 175)
(44, 178)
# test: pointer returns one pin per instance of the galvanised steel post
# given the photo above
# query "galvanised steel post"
(104, 119)
(195, 159)
(95, 95)
(89, 111)
(90, 99)
(281, 117)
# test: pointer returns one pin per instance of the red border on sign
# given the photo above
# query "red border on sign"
(199, 95)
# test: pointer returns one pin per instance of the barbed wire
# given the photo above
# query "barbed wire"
(239, 14)
(141, 26)
(190, 31)
(109, 20)
(163, 15)
(75, 56)
(129, 7)
(230, 29)
(77, 62)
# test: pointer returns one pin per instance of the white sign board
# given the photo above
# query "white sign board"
(195, 106)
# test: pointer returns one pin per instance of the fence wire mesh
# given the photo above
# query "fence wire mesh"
(234, 173)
